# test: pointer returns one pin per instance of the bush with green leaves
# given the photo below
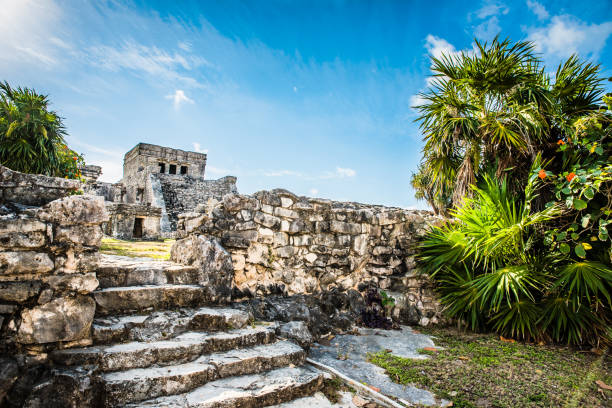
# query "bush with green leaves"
(32, 136)
(522, 165)
(494, 270)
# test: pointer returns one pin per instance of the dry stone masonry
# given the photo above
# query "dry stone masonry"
(158, 184)
(284, 244)
(83, 330)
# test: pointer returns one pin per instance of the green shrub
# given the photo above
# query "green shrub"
(32, 136)
(495, 272)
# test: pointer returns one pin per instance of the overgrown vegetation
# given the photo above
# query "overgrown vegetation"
(159, 250)
(475, 370)
(32, 136)
(522, 164)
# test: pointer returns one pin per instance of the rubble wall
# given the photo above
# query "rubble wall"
(184, 193)
(284, 244)
(47, 273)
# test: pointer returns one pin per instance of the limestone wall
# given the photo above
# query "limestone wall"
(123, 216)
(284, 244)
(47, 260)
(184, 193)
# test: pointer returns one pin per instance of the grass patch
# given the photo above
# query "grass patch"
(332, 388)
(137, 249)
(476, 370)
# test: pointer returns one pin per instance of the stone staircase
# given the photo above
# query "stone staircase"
(158, 343)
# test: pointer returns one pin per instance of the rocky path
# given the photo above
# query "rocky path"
(158, 343)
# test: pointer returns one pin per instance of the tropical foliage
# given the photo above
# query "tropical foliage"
(492, 110)
(32, 136)
(527, 251)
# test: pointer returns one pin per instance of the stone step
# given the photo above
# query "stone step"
(167, 324)
(116, 271)
(247, 391)
(139, 384)
(184, 348)
(136, 298)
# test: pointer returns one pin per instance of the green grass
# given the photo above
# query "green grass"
(137, 249)
(474, 370)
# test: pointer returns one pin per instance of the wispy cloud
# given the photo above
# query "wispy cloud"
(437, 46)
(149, 60)
(487, 18)
(538, 9)
(24, 32)
(313, 191)
(198, 148)
(345, 172)
(338, 173)
(566, 35)
(179, 98)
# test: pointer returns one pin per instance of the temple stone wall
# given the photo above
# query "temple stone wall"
(184, 193)
(47, 264)
(123, 217)
(284, 244)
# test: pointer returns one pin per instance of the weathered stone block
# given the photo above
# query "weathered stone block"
(285, 252)
(301, 240)
(22, 232)
(63, 319)
(19, 291)
(284, 212)
(73, 210)
(25, 262)
(267, 220)
(83, 235)
(238, 239)
(345, 227)
(81, 283)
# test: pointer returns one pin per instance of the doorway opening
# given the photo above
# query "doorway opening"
(138, 223)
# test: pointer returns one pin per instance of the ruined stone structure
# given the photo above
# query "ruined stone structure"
(158, 184)
(80, 329)
(282, 244)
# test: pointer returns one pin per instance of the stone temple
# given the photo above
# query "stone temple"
(158, 184)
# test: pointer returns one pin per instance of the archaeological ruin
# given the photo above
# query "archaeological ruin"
(252, 282)
(158, 184)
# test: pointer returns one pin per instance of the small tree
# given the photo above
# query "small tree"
(32, 136)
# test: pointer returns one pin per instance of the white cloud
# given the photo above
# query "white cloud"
(437, 46)
(25, 33)
(538, 9)
(488, 29)
(313, 191)
(491, 10)
(345, 172)
(566, 35)
(340, 172)
(295, 89)
(179, 98)
(148, 60)
(220, 171)
(417, 100)
(185, 46)
(198, 148)
(282, 173)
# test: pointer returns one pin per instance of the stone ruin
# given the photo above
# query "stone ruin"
(158, 184)
(252, 281)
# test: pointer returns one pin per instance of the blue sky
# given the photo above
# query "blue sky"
(311, 96)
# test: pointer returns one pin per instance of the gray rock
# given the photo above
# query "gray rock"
(214, 264)
(63, 319)
(298, 332)
(25, 262)
(9, 372)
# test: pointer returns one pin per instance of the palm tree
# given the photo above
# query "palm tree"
(493, 110)
(31, 135)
